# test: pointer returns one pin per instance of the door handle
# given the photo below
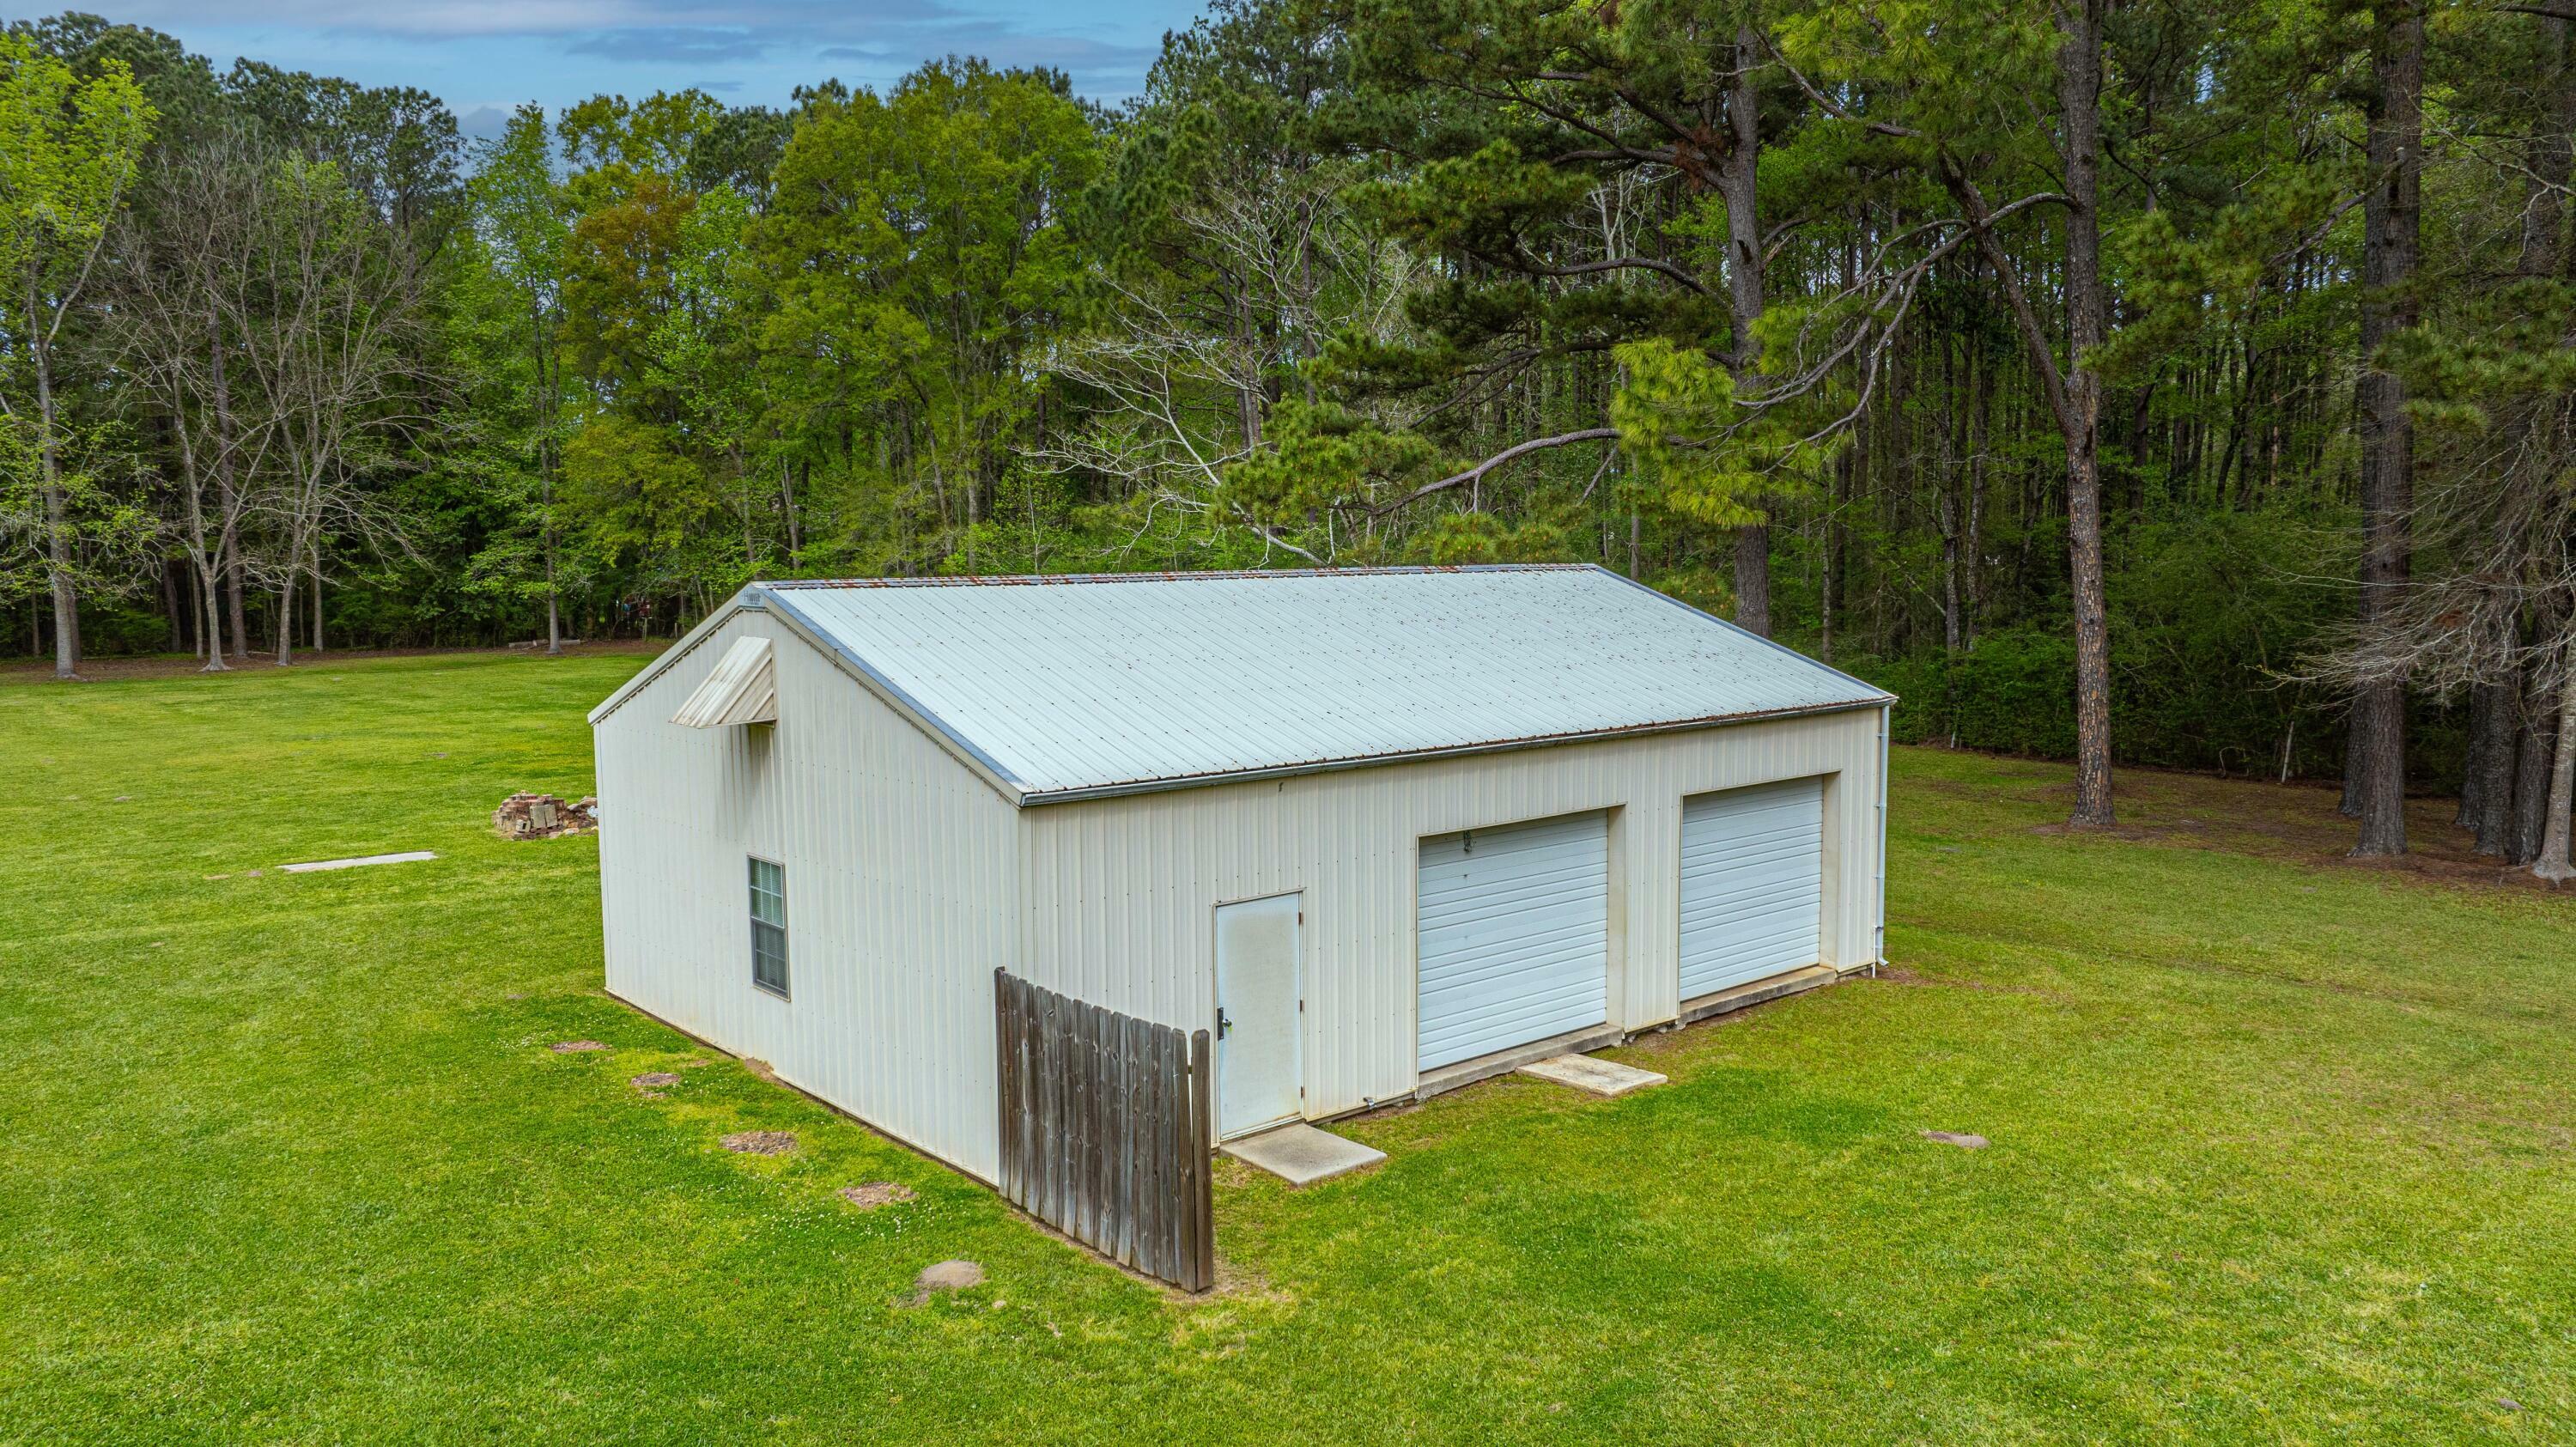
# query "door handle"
(1224, 1026)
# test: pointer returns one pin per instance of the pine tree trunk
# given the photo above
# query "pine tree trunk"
(1745, 292)
(2547, 155)
(1753, 579)
(2392, 214)
(2550, 152)
(2490, 767)
(2079, 90)
(2553, 864)
(2533, 753)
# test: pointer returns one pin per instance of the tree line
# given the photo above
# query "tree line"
(2165, 381)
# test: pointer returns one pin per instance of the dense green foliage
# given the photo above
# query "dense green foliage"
(2278, 1150)
(1770, 304)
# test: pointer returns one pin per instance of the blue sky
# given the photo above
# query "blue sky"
(484, 56)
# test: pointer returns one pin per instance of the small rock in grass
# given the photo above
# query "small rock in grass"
(761, 1142)
(875, 1194)
(1957, 1138)
(945, 1276)
(2508, 1404)
(575, 1047)
(654, 1080)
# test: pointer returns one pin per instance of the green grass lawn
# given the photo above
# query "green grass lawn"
(2281, 1148)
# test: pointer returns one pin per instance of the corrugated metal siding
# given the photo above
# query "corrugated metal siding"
(1752, 884)
(901, 892)
(1512, 936)
(1074, 685)
(1118, 894)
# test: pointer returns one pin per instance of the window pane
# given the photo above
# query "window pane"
(768, 892)
(769, 957)
(769, 925)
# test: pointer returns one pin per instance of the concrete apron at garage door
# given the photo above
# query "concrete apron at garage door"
(1755, 992)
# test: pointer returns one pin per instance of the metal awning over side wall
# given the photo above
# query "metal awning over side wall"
(742, 689)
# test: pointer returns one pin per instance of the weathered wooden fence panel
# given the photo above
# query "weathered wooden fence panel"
(1106, 1129)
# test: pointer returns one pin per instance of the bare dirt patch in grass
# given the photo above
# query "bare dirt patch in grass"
(945, 1276)
(760, 1142)
(654, 1080)
(575, 1047)
(876, 1193)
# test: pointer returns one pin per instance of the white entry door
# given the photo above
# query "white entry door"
(1753, 884)
(1513, 937)
(1257, 1001)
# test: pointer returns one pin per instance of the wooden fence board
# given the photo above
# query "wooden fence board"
(1004, 1082)
(1104, 1115)
(1077, 1123)
(1149, 1209)
(1202, 1200)
(1105, 1129)
(1133, 1178)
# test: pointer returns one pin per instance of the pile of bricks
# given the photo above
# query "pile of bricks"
(543, 816)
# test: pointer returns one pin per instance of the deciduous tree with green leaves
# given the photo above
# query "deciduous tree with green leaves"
(69, 151)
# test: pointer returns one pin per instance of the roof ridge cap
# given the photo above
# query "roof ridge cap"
(1031, 580)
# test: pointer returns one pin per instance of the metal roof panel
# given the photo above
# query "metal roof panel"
(1081, 686)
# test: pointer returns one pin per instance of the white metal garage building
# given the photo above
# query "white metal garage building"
(1387, 830)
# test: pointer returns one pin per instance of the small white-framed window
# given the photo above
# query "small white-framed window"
(769, 926)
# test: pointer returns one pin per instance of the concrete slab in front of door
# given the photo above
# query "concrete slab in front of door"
(1757, 992)
(1605, 1078)
(1302, 1155)
(1503, 1062)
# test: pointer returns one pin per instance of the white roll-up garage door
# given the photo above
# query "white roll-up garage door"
(1753, 883)
(1514, 940)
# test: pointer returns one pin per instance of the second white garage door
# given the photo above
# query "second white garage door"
(1753, 882)
(1514, 936)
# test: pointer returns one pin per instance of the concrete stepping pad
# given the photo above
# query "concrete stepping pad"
(1302, 1155)
(1605, 1078)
